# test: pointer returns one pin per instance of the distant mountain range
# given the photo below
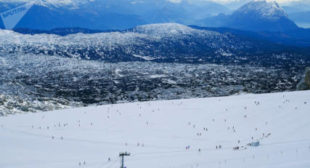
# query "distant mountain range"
(256, 15)
(257, 19)
(113, 14)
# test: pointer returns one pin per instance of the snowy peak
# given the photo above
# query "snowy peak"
(261, 15)
(264, 9)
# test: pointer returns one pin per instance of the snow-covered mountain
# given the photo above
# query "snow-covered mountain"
(162, 41)
(111, 14)
(123, 14)
(257, 15)
(267, 130)
(261, 15)
(263, 9)
(158, 42)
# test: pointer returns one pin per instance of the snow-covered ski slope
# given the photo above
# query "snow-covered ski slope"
(164, 134)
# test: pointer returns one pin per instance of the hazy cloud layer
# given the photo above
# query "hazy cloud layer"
(175, 1)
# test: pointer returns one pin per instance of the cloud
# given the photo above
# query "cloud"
(173, 1)
(46, 1)
(240, 1)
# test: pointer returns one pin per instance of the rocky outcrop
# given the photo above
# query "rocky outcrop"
(305, 83)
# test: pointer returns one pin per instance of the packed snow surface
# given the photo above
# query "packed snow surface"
(164, 134)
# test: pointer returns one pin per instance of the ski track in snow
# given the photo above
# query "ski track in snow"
(157, 134)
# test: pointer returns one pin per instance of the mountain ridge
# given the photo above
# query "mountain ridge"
(109, 14)
(255, 16)
(168, 43)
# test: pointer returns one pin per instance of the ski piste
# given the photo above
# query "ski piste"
(13, 16)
